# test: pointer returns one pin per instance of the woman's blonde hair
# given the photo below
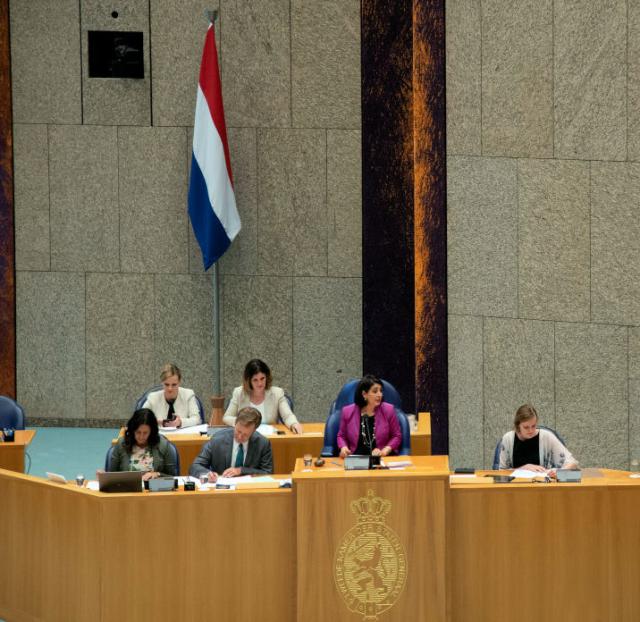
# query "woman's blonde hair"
(169, 369)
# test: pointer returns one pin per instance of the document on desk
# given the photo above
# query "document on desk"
(396, 464)
(242, 483)
(527, 474)
(266, 430)
(233, 481)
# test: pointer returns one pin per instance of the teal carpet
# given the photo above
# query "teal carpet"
(69, 451)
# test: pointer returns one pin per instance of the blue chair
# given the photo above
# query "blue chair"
(290, 402)
(496, 453)
(143, 398)
(345, 397)
(11, 414)
(172, 447)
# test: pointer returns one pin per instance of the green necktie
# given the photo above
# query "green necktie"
(240, 456)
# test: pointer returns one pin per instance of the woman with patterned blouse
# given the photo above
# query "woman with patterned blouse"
(143, 449)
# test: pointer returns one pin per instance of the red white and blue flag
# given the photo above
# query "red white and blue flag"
(212, 203)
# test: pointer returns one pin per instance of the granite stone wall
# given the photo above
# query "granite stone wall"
(544, 222)
(109, 278)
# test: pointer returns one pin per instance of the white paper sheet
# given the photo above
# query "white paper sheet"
(527, 474)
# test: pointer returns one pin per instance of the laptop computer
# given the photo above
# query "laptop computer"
(120, 481)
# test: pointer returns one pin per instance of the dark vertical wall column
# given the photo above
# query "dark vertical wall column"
(404, 203)
(7, 244)
(387, 194)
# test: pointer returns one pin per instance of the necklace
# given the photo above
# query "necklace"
(368, 433)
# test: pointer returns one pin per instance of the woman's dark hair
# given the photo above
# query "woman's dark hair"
(253, 367)
(142, 416)
(363, 386)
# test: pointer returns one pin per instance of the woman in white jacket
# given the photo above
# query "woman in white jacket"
(257, 391)
(173, 405)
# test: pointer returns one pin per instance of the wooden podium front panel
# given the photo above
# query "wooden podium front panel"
(12, 454)
(398, 562)
(554, 550)
(224, 555)
(49, 556)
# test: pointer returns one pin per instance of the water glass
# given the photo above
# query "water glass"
(307, 458)
(80, 479)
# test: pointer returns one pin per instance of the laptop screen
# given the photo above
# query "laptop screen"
(120, 481)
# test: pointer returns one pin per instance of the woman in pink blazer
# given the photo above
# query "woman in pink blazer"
(370, 426)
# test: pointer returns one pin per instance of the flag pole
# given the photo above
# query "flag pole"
(217, 399)
(212, 17)
(217, 384)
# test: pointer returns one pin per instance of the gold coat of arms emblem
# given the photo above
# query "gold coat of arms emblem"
(370, 566)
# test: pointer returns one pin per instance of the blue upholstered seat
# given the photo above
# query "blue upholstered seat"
(11, 414)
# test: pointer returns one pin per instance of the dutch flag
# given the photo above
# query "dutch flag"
(212, 204)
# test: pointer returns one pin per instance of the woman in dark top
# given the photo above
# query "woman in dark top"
(143, 449)
(531, 448)
(370, 426)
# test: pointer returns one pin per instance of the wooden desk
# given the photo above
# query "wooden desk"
(446, 553)
(12, 454)
(77, 556)
(558, 549)
(288, 447)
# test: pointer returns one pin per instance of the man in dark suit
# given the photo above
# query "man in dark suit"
(237, 451)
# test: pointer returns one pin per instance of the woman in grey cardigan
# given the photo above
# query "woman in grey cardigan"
(532, 448)
(143, 449)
